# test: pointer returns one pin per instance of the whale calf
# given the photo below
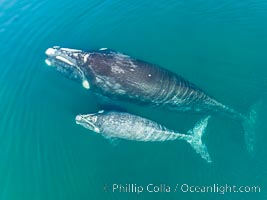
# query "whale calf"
(122, 125)
(119, 76)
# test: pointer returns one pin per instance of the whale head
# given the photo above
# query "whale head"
(89, 121)
(69, 62)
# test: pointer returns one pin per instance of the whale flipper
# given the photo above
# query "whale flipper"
(195, 138)
(112, 140)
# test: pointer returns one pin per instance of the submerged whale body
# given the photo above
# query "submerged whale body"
(119, 76)
(121, 125)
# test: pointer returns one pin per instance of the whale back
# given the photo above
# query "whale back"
(121, 77)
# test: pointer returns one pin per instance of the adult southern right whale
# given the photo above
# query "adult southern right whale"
(119, 76)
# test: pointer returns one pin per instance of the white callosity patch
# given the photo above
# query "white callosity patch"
(87, 121)
(85, 58)
(64, 60)
(103, 49)
(50, 51)
(86, 84)
(48, 62)
(78, 118)
(70, 50)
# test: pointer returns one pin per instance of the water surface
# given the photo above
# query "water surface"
(219, 45)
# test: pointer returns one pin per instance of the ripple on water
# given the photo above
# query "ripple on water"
(41, 149)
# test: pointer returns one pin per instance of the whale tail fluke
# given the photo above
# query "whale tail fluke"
(249, 126)
(195, 138)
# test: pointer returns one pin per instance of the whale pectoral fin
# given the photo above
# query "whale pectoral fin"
(113, 141)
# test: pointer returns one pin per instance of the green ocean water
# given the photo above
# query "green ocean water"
(219, 45)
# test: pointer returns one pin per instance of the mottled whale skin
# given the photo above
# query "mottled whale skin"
(121, 125)
(119, 76)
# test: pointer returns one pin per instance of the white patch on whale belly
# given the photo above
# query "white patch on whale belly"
(86, 84)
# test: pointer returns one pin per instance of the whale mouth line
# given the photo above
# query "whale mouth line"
(90, 118)
(60, 55)
(63, 59)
